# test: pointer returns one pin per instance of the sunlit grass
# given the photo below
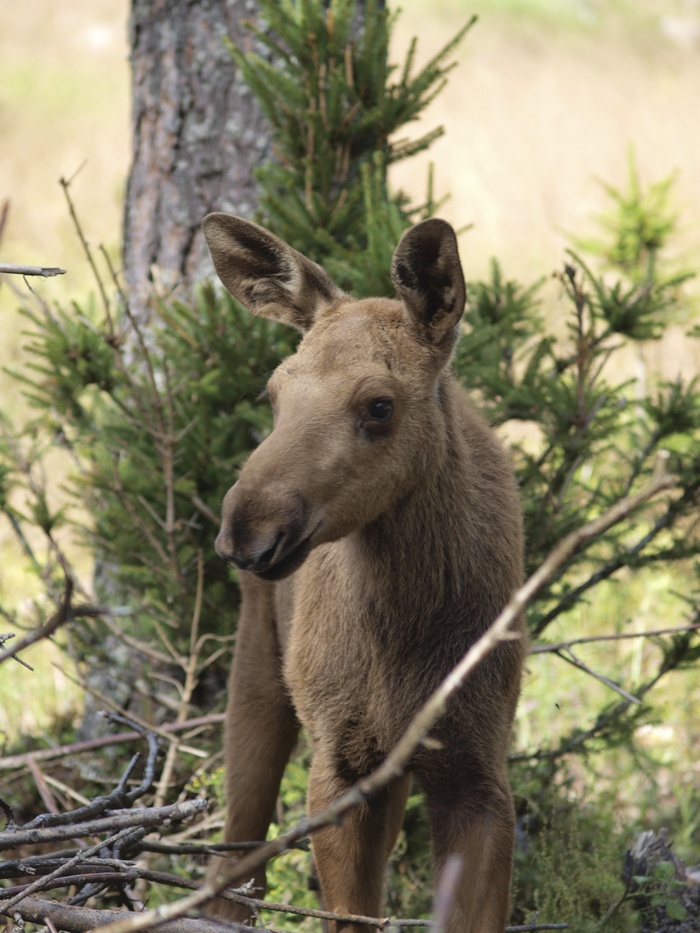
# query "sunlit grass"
(33, 702)
(654, 781)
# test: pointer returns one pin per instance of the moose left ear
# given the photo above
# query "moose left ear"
(428, 278)
(265, 274)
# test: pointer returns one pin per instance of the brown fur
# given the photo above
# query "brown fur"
(377, 541)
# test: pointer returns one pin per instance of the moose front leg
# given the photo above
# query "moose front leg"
(260, 731)
(476, 823)
(351, 857)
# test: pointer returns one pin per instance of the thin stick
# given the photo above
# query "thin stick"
(9, 268)
(42, 882)
(571, 658)
(189, 686)
(63, 614)
(65, 184)
(6, 637)
(15, 762)
(588, 639)
(118, 820)
(84, 919)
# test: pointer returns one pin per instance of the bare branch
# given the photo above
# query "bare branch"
(608, 716)
(117, 820)
(6, 636)
(568, 656)
(128, 872)
(190, 669)
(63, 614)
(84, 919)
(9, 268)
(65, 184)
(64, 867)
(620, 636)
(15, 762)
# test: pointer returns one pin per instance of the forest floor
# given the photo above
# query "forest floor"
(545, 102)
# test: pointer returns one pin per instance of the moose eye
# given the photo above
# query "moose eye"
(381, 410)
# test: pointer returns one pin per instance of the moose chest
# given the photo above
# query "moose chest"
(355, 666)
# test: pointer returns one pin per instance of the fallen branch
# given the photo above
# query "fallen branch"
(15, 762)
(61, 872)
(395, 764)
(121, 819)
(9, 268)
(72, 920)
(83, 919)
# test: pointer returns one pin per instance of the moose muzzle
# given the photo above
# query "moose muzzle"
(265, 531)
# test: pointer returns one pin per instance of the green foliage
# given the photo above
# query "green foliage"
(592, 438)
(637, 226)
(159, 423)
(335, 104)
(659, 886)
(155, 434)
(572, 872)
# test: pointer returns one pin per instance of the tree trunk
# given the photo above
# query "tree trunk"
(197, 135)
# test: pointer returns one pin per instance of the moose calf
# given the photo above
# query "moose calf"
(379, 533)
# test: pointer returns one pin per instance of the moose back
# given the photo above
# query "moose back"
(378, 532)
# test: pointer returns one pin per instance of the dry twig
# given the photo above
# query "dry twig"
(15, 762)
(9, 268)
(63, 614)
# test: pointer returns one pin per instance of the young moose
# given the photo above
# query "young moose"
(379, 531)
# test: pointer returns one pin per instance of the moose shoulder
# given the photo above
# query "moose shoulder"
(379, 531)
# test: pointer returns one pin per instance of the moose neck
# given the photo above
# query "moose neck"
(412, 538)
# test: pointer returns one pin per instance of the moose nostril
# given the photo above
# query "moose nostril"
(263, 560)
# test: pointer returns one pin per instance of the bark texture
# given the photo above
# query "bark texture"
(197, 135)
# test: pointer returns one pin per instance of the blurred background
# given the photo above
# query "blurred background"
(546, 100)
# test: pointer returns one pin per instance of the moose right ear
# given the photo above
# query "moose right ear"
(427, 274)
(265, 274)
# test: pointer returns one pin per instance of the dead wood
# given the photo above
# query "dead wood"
(83, 919)
(663, 889)
(9, 268)
(146, 817)
(16, 762)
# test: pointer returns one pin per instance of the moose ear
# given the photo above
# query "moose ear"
(265, 274)
(427, 275)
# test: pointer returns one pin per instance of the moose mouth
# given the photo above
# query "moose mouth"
(288, 562)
